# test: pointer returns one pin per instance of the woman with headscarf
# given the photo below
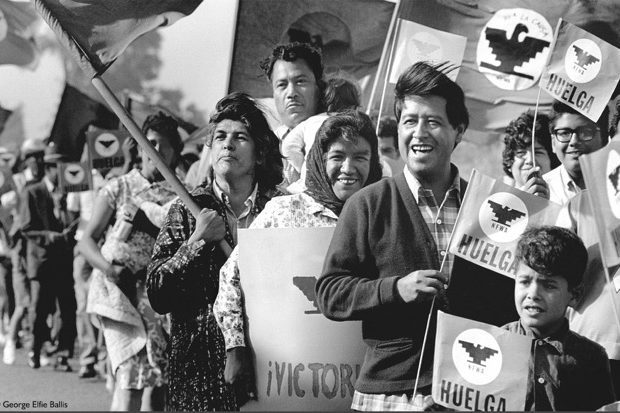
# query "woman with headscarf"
(343, 159)
(183, 276)
(130, 210)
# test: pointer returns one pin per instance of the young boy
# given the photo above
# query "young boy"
(567, 371)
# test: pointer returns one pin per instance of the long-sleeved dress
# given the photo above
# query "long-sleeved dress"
(183, 280)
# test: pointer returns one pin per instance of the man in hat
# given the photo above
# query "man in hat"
(49, 233)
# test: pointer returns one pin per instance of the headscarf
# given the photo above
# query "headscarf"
(350, 125)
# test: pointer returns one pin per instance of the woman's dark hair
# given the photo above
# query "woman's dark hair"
(554, 251)
(349, 125)
(241, 107)
(518, 136)
(424, 79)
(341, 94)
(166, 126)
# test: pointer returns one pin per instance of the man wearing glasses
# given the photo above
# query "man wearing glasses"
(572, 135)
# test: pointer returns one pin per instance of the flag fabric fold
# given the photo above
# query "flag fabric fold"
(98, 31)
(17, 24)
(492, 218)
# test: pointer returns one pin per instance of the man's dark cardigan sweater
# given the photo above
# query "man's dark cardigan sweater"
(381, 236)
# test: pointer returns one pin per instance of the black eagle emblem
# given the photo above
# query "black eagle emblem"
(614, 178)
(107, 143)
(504, 214)
(512, 52)
(424, 48)
(477, 353)
(74, 172)
(306, 286)
(584, 58)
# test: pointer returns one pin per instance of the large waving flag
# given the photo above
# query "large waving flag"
(479, 367)
(17, 24)
(493, 216)
(601, 172)
(416, 42)
(583, 70)
(98, 31)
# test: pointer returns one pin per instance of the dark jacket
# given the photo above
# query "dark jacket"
(381, 236)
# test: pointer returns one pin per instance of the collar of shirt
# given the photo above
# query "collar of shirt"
(249, 203)
(567, 182)
(314, 208)
(415, 186)
(48, 184)
(281, 131)
(556, 340)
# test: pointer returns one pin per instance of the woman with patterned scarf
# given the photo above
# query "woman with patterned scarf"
(183, 276)
(343, 159)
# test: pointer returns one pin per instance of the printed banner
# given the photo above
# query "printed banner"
(479, 367)
(601, 173)
(74, 176)
(583, 70)
(105, 148)
(303, 360)
(493, 216)
(421, 43)
(6, 181)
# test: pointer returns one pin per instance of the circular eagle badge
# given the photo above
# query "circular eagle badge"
(477, 356)
(503, 217)
(106, 145)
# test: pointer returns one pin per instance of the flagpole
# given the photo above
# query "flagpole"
(387, 76)
(386, 44)
(151, 152)
(534, 129)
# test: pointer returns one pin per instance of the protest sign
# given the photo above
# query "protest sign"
(479, 367)
(493, 216)
(418, 43)
(303, 360)
(105, 148)
(583, 70)
(74, 176)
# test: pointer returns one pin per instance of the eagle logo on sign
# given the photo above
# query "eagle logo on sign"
(424, 46)
(74, 174)
(513, 48)
(306, 286)
(503, 217)
(583, 60)
(106, 145)
(613, 182)
(477, 356)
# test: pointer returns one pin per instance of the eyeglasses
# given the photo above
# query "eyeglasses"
(583, 133)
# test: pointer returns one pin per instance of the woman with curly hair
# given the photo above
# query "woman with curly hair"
(183, 276)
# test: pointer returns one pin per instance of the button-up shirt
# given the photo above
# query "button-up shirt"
(561, 186)
(566, 371)
(441, 218)
(247, 215)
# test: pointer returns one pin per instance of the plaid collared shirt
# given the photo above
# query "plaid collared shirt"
(441, 218)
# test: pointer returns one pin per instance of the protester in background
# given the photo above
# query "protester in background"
(7, 297)
(32, 152)
(517, 159)
(183, 276)
(49, 231)
(390, 158)
(567, 371)
(345, 149)
(136, 203)
(295, 71)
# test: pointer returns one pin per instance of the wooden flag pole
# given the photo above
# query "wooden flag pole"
(150, 151)
(386, 46)
(387, 75)
(534, 129)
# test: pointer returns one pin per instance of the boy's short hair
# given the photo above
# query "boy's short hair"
(554, 251)
(558, 109)
(424, 79)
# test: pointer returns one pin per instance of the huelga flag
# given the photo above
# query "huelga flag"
(492, 217)
(74, 176)
(583, 70)
(105, 147)
(98, 31)
(18, 22)
(75, 114)
(479, 367)
(601, 173)
(416, 42)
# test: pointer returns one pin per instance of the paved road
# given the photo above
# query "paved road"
(21, 384)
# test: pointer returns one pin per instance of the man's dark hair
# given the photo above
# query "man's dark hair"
(388, 128)
(291, 52)
(340, 94)
(554, 251)
(241, 107)
(167, 127)
(424, 79)
(518, 137)
(558, 109)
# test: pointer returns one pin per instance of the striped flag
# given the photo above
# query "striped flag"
(98, 31)
(583, 70)
(479, 367)
(492, 217)
(416, 42)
